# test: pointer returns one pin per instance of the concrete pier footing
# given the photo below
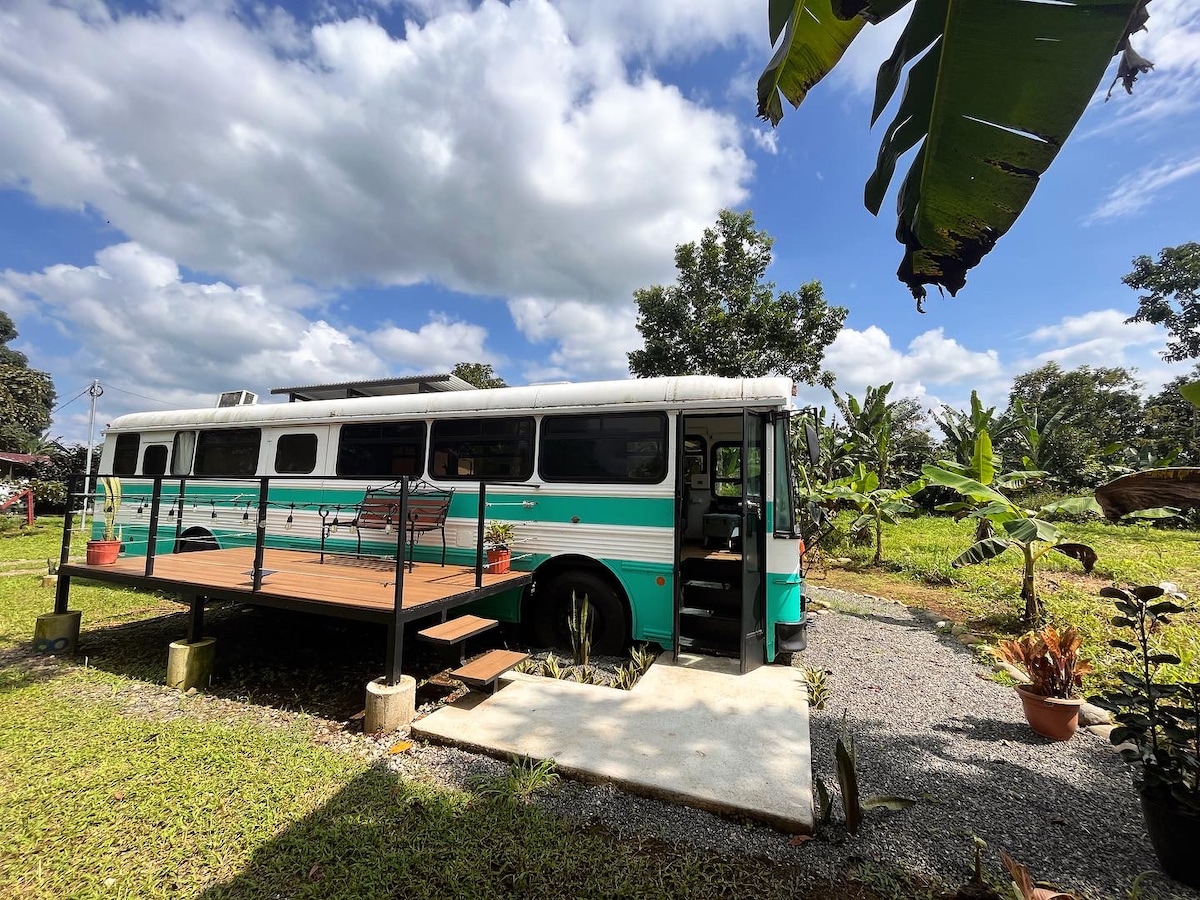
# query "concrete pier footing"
(390, 707)
(57, 633)
(190, 665)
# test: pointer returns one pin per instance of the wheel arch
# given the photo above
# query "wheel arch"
(575, 562)
(195, 534)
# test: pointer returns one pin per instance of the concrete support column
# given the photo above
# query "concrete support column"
(57, 633)
(190, 665)
(390, 707)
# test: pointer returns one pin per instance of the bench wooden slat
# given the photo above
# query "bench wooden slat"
(457, 629)
(484, 671)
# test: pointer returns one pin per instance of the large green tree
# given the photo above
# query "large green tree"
(1172, 297)
(482, 375)
(1068, 418)
(994, 89)
(26, 395)
(1171, 425)
(722, 318)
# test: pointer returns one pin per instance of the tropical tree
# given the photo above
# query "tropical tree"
(961, 430)
(1011, 526)
(993, 93)
(482, 375)
(876, 505)
(26, 395)
(1172, 299)
(1171, 425)
(722, 318)
(1069, 420)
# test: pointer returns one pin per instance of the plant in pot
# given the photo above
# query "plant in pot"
(1158, 730)
(103, 552)
(1050, 660)
(498, 538)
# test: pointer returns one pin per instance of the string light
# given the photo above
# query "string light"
(287, 526)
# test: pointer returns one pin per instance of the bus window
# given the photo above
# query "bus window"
(232, 453)
(727, 469)
(183, 448)
(500, 449)
(154, 460)
(381, 450)
(608, 448)
(296, 454)
(125, 456)
(785, 498)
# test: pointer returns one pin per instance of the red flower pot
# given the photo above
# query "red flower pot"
(499, 561)
(1051, 717)
(102, 553)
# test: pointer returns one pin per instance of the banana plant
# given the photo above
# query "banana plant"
(1014, 527)
(993, 91)
(876, 505)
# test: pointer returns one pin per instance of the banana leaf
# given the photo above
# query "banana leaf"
(995, 89)
(814, 39)
(1081, 552)
(1177, 487)
(1026, 530)
(969, 487)
(981, 551)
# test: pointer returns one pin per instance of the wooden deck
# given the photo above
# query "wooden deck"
(341, 586)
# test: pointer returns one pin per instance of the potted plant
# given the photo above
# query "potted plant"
(103, 552)
(1050, 660)
(1158, 731)
(498, 538)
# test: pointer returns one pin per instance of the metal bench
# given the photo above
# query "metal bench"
(379, 510)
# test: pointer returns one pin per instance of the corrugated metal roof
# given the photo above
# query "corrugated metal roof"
(23, 459)
(379, 387)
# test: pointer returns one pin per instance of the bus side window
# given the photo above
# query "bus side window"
(183, 448)
(296, 454)
(154, 460)
(125, 456)
(228, 452)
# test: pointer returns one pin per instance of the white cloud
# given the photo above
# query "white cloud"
(667, 28)
(592, 341)
(1139, 189)
(501, 150)
(860, 65)
(1102, 339)
(142, 327)
(867, 357)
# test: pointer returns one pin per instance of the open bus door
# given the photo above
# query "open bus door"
(754, 529)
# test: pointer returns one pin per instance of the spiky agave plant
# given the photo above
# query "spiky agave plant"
(580, 626)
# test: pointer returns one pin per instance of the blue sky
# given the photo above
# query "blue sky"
(203, 196)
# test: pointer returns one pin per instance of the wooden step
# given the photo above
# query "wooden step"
(456, 630)
(487, 669)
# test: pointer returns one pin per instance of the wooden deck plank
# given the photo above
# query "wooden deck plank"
(457, 629)
(300, 575)
(487, 668)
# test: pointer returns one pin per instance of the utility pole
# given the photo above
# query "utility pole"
(95, 392)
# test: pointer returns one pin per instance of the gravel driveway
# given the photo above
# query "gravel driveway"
(929, 724)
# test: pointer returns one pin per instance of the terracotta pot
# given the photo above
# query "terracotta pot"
(1051, 717)
(1174, 834)
(102, 553)
(499, 561)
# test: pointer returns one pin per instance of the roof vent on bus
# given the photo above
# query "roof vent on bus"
(237, 398)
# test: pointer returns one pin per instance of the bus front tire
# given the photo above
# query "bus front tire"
(610, 628)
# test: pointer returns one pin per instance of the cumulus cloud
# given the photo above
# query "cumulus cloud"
(139, 323)
(591, 342)
(867, 357)
(266, 153)
(1101, 338)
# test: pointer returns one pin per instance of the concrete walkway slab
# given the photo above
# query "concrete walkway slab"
(695, 733)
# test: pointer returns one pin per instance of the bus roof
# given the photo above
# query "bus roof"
(649, 393)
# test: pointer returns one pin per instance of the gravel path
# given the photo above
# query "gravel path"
(929, 724)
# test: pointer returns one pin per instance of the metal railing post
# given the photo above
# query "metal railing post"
(152, 537)
(260, 533)
(395, 644)
(62, 588)
(479, 535)
(179, 515)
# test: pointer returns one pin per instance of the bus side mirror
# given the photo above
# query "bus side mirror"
(812, 443)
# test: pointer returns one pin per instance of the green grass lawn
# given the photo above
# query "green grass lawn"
(107, 794)
(23, 547)
(916, 570)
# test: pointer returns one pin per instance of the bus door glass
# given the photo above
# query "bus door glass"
(754, 506)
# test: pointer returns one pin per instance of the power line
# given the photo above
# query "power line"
(72, 400)
(142, 396)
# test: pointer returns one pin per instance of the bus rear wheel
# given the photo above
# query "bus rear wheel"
(610, 626)
(195, 540)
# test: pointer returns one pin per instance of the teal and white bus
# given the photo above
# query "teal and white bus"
(667, 501)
